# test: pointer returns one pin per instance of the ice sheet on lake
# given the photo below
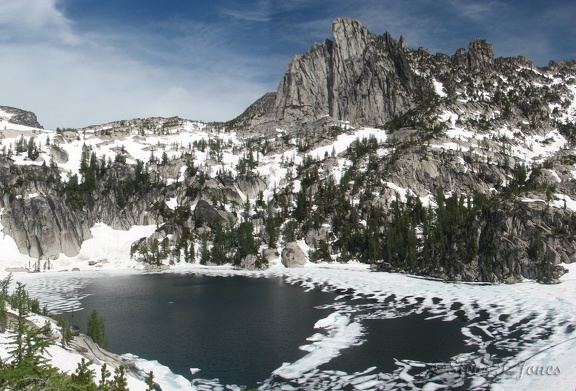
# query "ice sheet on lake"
(342, 333)
(533, 323)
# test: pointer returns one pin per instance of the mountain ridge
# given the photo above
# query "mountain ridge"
(458, 167)
(376, 83)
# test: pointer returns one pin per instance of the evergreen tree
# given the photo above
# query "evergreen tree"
(119, 382)
(83, 377)
(271, 228)
(65, 329)
(245, 240)
(150, 381)
(32, 149)
(96, 329)
(204, 252)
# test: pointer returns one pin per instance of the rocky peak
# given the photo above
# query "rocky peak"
(358, 77)
(403, 44)
(480, 55)
(350, 38)
(19, 117)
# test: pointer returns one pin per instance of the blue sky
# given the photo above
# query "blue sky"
(81, 62)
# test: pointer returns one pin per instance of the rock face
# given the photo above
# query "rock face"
(293, 256)
(258, 111)
(480, 55)
(251, 186)
(21, 117)
(359, 77)
(48, 224)
(207, 214)
(52, 231)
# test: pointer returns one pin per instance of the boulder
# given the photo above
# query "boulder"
(249, 262)
(58, 154)
(150, 268)
(293, 256)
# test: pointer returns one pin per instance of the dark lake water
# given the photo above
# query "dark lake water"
(240, 329)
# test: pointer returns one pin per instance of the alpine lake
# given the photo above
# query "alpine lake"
(239, 330)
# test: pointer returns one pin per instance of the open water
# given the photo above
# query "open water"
(239, 329)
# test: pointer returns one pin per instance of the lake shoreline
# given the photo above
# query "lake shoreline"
(356, 282)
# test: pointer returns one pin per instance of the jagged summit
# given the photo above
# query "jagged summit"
(357, 76)
(480, 54)
(360, 77)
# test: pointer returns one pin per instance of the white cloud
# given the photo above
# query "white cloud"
(34, 20)
(480, 11)
(72, 78)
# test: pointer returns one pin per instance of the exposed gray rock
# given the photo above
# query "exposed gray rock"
(221, 188)
(58, 154)
(359, 77)
(21, 117)
(151, 268)
(16, 270)
(480, 54)
(249, 262)
(293, 256)
(56, 226)
(460, 58)
(204, 213)
(52, 231)
(251, 186)
(257, 112)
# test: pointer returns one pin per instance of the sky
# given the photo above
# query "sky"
(83, 62)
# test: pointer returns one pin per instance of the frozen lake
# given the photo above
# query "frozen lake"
(330, 328)
(240, 329)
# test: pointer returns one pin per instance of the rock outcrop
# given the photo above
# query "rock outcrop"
(53, 229)
(480, 55)
(21, 117)
(45, 221)
(205, 213)
(293, 256)
(249, 262)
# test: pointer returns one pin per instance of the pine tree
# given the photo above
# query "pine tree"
(245, 240)
(65, 329)
(96, 329)
(204, 252)
(84, 377)
(119, 382)
(271, 228)
(150, 381)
